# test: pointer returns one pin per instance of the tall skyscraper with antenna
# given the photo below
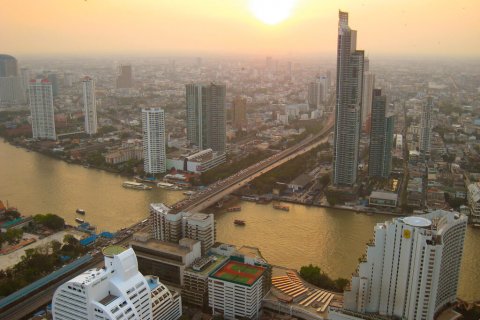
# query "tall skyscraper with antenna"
(348, 105)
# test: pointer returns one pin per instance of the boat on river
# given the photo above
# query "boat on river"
(239, 222)
(281, 207)
(80, 211)
(78, 220)
(135, 185)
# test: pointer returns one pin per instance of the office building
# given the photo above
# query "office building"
(68, 79)
(348, 105)
(381, 138)
(239, 114)
(318, 92)
(125, 77)
(235, 290)
(41, 108)
(410, 270)
(117, 291)
(154, 149)
(12, 89)
(426, 128)
(171, 227)
(165, 260)
(89, 105)
(368, 86)
(206, 122)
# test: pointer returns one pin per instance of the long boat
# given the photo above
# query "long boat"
(135, 185)
(239, 222)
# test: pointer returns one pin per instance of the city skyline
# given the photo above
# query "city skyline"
(408, 28)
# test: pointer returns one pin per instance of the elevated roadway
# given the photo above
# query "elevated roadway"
(215, 192)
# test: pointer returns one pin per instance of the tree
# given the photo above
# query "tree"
(325, 179)
(51, 221)
(332, 199)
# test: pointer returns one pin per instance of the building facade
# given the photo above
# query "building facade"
(41, 108)
(172, 227)
(239, 114)
(381, 138)
(410, 269)
(118, 291)
(89, 106)
(12, 86)
(206, 121)
(348, 105)
(125, 77)
(367, 96)
(426, 128)
(317, 92)
(154, 148)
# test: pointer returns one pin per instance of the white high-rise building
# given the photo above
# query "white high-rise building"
(426, 128)
(236, 290)
(89, 105)
(118, 291)
(410, 270)
(154, 149)
(171, 227)
(41, 108)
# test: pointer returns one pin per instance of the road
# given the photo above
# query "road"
(215, 192)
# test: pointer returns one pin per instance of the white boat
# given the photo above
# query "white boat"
(135, 185)
(168, 186)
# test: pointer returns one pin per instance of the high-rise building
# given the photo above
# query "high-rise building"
(53, 78)
(12, 89)
(410, 270)
(117, 291)
(89, 105)
(125, 77)
(239, 112)
(381, 138)
(348, 105)
(317, 92)
(41, 108)
(171, 227)
(368, 86)
(8, 66)
(206, 122)
(68, 78)
(426, 128)
(154, 139)
(26, 76)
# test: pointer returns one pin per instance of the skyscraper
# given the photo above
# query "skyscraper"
(317, 92)
(8, 66)
(53, 78)
(426, 128)
(206, 123)
(125, 77)
(89, 105)
(410, 270)
(368, 86)
(41, 108)
(381, 138)
(12, 89)
(239, 112)
(154, 150)
(117, 291)
(348, 105)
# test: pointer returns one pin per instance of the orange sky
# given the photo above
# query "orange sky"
(385, 27)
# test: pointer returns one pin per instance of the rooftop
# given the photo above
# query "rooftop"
(111, 251)
(217, 261)
(240, 273)
(162, 246)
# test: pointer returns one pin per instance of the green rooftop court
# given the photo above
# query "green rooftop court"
(113, 250)
(240, 273)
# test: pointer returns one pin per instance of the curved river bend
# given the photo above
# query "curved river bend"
(332, 239)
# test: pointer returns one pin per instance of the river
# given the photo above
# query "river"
(332, 239)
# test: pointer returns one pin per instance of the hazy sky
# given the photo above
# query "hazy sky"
(385, 27)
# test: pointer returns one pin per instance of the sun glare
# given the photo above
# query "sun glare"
(272, 11)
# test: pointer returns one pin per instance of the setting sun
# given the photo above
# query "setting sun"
(272, 11)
